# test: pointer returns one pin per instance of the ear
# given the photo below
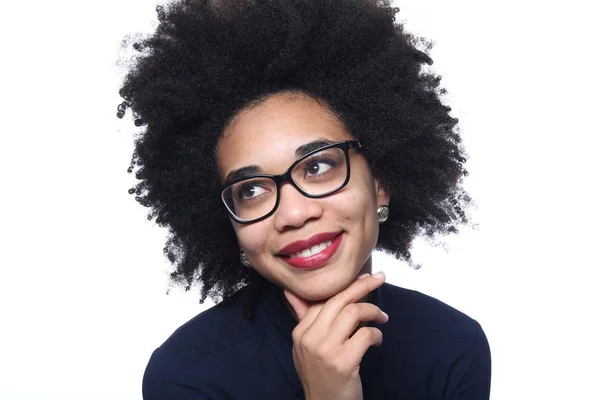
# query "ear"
(382, 197)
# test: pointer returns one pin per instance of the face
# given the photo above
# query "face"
(268, 135)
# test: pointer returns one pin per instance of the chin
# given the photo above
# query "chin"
(323, 290)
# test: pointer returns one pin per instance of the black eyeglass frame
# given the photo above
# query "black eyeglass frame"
(287, 177)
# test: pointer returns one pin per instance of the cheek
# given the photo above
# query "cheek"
(354, 207)
(359, 201)
(252, 238)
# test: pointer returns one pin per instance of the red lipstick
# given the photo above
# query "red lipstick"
(316, 260)
(300, 245)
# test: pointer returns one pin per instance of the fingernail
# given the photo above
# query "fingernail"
(363, 276)
(380, 274)
(385, 314)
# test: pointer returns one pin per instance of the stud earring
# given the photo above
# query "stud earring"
(244, 260)
(383, 212)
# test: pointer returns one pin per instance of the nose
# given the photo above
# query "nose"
(294, 208)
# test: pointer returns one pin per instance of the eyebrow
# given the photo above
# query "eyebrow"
(249, 170)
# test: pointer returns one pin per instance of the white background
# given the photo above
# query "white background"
(83, 278)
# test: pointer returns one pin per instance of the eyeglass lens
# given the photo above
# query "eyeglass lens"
(320, 173)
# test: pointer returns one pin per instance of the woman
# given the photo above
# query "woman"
(284, 141)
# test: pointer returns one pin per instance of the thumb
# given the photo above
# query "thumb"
(299, 305)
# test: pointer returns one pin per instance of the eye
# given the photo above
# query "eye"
(319, 167)
(250, 191)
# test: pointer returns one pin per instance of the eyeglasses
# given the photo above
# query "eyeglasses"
(317, 174)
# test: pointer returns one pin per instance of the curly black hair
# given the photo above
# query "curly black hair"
(209, 59)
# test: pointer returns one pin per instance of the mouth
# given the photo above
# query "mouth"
(314, 256)
(316, 249)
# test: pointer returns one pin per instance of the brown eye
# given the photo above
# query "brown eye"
(319, 167)
(250, 191)
(313, 169)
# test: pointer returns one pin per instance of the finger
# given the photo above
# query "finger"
(356, 291)
(356, 347)
(305, 313)
(299, 305)
(350, 317)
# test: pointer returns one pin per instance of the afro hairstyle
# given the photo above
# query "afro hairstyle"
(209, 59)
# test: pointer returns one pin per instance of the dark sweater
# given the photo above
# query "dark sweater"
(429, 351)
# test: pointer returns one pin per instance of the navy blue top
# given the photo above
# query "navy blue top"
(429, 351)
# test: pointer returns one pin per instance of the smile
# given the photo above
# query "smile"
(315, 256)
(311, 251)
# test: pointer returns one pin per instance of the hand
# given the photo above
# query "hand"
(326, 354)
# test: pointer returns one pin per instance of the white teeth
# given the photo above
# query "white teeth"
(313, 250)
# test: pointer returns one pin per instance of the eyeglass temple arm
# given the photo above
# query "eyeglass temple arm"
(355, 144)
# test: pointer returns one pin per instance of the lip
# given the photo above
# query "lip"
(299, 245)
(316, 260)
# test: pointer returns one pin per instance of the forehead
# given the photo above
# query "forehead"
(269, 133)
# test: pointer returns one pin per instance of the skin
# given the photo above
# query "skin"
(329, 302)
(327, 353)
(281, 123)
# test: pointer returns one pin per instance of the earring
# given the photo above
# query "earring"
(383, 212)
(244, 260)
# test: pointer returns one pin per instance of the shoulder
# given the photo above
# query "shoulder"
(428, 313)
(220, 326)
(440, 351)
(198, 345)
(440, 346)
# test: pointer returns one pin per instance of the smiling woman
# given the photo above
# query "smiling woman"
(283, 142)
(315, 208)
